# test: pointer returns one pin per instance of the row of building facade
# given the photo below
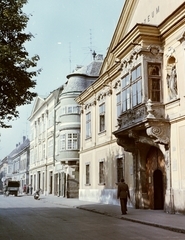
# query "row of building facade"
(123, 116)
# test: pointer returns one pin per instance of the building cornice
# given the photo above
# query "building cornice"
(173, 21)
(97, 146)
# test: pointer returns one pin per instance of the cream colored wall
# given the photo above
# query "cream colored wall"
(175, 111)
(102, 146)
(178, 164)
(152, 11)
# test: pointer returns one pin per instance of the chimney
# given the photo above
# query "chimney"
(99, 57)
(24, 138)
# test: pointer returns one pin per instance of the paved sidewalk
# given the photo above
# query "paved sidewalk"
(157, 218)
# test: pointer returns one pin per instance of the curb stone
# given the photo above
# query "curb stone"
(179, 230)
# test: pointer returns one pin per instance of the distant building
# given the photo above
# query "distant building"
(15, 166)
(3, 171)
(18, 162)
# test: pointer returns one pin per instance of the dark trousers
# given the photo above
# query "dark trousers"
(123, 202)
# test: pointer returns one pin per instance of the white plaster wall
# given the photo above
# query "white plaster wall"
(106, 196)
(179, 203)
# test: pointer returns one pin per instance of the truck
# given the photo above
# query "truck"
(11, 187)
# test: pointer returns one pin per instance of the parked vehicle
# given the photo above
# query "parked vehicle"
(11, 187)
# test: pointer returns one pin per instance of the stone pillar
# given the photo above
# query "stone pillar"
(169, 197)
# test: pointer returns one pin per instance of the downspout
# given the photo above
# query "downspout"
(56, 98)
(171, 192)
(54, 136)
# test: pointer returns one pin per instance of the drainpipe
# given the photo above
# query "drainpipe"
(171, 192)
(56, 101)
(54, 136)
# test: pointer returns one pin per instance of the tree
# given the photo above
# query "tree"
(17, 69)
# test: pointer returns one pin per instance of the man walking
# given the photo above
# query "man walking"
(122, 194)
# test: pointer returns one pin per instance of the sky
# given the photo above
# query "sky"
(66, 32)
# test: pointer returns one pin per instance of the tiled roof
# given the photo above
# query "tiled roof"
(91, 70)
(19, 148)
(83, 77)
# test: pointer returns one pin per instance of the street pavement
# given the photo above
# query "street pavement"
(156, 218)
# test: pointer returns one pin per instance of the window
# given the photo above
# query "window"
(101, 173)
(72, 141)
(88, 125)
(136, 86)
(63, 110)
(131, 89)
(9, 169)
(87, 174)
(32, 134)
(154, 73)
(35, 130)
(31, 156)
(102, 117)
(44, 126)
(73, 109)
(43, 151)
(70, 109)
(40, 152)
(76, 109)
(69, 141)
(35, 155)
(62, 142)
(118, 100)
(40, 126)
(51, 118)
(126, 93)
(50, 148)
(119, 169)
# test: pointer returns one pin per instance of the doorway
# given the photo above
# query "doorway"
(155, 178)
(158, 190)
(51, 183)
(38, 182)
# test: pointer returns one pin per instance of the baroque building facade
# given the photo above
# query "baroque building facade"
(55, 134)
(141, 85)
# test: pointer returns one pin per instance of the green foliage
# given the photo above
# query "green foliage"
(16, 68)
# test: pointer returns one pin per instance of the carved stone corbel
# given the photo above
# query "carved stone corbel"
(159, 132)
(154, 49)
(181, 39)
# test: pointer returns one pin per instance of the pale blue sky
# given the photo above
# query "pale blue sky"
(64, 33)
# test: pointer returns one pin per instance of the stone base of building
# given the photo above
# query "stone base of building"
(179, 201)
(105, 196)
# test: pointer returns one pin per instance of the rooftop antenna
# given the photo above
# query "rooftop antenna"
(90, 32)
(70, 57)
(92, 53)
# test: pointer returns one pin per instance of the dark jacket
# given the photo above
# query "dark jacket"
(123, 190)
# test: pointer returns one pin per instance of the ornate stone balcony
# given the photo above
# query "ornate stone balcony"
(144, 124)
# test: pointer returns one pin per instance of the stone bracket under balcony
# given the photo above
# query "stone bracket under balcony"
(158, 131)
(153, 135)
